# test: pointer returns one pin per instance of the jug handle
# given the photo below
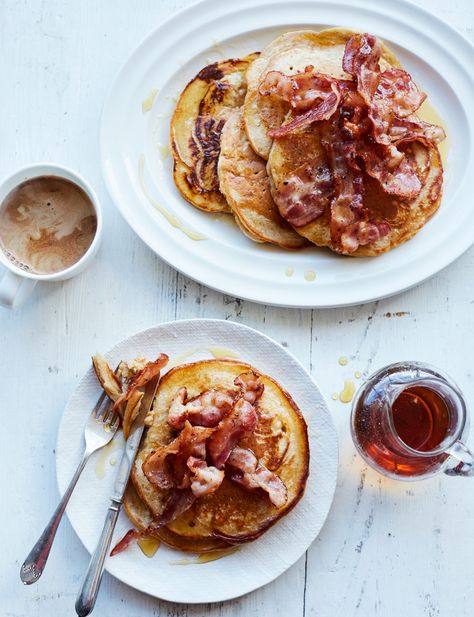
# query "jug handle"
(465, 466)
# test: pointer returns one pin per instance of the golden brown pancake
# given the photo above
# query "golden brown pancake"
(141, 517)
(405, 218)
(196, 127)
(280, 442)
(290, 53)
(244, 181)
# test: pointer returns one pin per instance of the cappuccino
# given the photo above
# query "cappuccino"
(46, 224)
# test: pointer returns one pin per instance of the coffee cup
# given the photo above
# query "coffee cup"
(20, 279)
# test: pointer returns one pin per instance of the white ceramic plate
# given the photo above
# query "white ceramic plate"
(254, 564)
(437, 56)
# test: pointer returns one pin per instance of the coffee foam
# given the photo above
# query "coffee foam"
(46, 224)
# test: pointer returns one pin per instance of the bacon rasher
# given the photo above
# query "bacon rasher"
(253, 475)
(363, 122)
(305, 196)
(167, 467)
(140, 379)
(178, 502)
(241, 420)
(206, 409)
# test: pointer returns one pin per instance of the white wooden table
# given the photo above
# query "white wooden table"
(388, 548)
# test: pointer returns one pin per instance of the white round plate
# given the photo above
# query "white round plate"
(252, 565)
(437, 56)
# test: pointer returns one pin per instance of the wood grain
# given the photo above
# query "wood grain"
(387, 548)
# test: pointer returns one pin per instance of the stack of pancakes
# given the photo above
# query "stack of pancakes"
(225, 161)
(230, 515)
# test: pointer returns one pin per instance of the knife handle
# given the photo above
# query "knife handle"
(90, 587)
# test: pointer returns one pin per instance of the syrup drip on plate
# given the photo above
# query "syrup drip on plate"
(147, 103)
(171, 218)
(103, 456)
(149, 546)
(215, 352)
(222, 352)
(205, 557)
(429, 114)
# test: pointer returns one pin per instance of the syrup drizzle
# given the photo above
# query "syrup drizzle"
(205, 557)
(171, 218)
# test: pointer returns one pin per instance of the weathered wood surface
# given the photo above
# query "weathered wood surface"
(388, 548)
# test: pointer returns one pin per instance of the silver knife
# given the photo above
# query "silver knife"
(90, 587)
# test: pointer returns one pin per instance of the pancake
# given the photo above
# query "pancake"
(280, 442)
(244, 181)
(290, 53)
(405, 218)
(196, 127)
(141, 517)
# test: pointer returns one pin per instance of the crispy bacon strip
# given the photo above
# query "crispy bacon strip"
(131, 411)
(207, 409)
(323, 111)
(167, 466)
(402, 180)
(253, 475)
(242, 419)
(250, 385)
(231, 429)
(391, 96)
(316, 95)
(205, 479)
(349, 225)
(403, 130)
(149, 371)
(178, 502)
(129, 537)
(302, 91)
(305, 195)
(397, 89)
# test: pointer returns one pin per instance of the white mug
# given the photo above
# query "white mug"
(16, 285)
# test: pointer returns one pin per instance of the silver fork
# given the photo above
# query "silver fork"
(99, 430)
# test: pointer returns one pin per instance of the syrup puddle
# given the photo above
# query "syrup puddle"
(347, 393)
(172, 220)
(205, 557)
(222, 352)
(215, 352)
(147, 103)
(429, 114)
(149, 546)
(103, 458)
(310, 275)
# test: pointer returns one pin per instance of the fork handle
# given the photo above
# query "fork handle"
(34, 564)
(90, 587)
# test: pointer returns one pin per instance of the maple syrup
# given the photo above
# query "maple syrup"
(420, 418)
(407, 420)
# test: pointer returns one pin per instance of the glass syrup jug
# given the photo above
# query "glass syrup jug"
(409, 422)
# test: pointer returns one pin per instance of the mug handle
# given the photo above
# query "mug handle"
(465, 466)
(15, 290)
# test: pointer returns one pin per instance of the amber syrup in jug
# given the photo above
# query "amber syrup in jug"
(403, 417)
